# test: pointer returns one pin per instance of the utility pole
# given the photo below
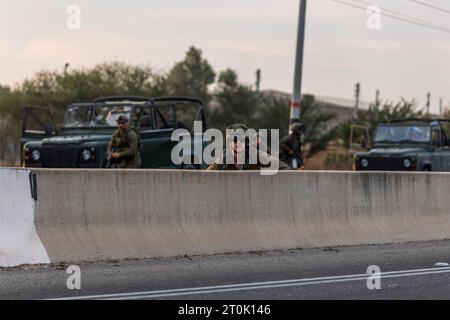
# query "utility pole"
(428, 102)
(441, 102)
(357, 95)
(298, 73)
(258, 81)
(377, 98)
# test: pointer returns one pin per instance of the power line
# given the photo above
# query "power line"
(431, 6)
(398, 16)
(395, 17)
(401, 15)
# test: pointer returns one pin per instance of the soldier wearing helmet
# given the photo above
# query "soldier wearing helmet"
(242, 145)
(291, 146)
(123, 149)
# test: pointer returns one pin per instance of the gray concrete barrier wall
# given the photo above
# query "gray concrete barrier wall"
(98, 215)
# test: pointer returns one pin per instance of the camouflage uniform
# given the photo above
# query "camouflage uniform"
(291, 145)
(127, 145)
(246, 166)
(221, 162)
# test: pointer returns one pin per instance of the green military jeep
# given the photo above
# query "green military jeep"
(408, 145)
(87, 128)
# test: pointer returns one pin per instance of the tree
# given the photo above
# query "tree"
(85, 84)
(58, 89)
(273, 113)
(192, 76)
(233, 102)
(380, 113)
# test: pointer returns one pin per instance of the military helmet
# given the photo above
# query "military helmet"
(297, 126)
(122, 118)
(238, 127)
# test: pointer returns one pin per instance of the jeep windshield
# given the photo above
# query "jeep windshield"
(399, 134)
(94, 116)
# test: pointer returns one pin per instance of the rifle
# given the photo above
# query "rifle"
(113, 162)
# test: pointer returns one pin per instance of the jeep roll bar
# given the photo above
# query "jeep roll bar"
(177, 99)
(418, 120)
(200, 114)
(122, 98)
(146, 99)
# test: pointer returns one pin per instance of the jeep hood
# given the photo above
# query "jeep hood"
(75, 139)
(395, 151)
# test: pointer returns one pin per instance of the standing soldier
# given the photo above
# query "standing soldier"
(291, 147)
(123, 149)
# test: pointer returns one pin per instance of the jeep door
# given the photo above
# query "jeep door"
(156, 132)
(445, 158)
(445, 134)
(181, 113)
(440, 157)
(37, 123)
(168, 114)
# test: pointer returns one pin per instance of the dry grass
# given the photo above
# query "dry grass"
(334, 158)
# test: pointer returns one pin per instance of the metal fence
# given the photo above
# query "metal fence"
(342, 102)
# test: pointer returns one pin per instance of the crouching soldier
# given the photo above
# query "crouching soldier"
(124, 147)
(238, 149)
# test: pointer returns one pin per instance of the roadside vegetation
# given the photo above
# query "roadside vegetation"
(227, 100)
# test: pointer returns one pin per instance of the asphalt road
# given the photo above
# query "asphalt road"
(408, 271)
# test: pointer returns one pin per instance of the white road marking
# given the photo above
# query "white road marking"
(256, 285)
(442, 264)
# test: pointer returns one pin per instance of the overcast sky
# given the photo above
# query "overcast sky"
(400, 59)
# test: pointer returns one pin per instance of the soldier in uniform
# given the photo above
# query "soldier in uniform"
(291, 147)
(236, 147)
(123, 149)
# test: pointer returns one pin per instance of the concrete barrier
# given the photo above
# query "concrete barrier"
(96, 215)
(19, 241)
(101, 215)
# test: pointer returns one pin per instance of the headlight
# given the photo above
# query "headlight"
(36, 155)
(86, 155)
(407, 163)
(364, 163)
